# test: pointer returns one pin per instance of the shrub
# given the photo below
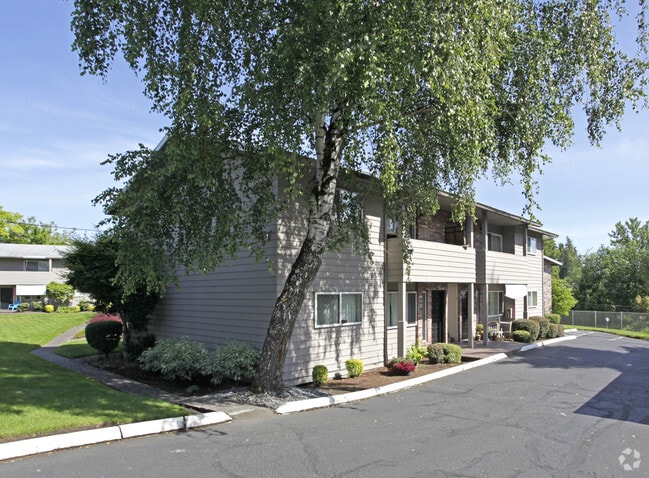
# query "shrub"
(543, 325)
(416, 352)
(68, 310)
(37, 306)
(104, 336)
(137, 342)
(561, 330)
(23, 307)
(176, 358)
(553, 331)
(436, 353)
(444, 353)
(522, 336)
(554, 318)
(86, 306)
(452, 353)
(319, 375)
(236, 362)
(530, 325)
(49, 308)
(403, 367)
(354, 367)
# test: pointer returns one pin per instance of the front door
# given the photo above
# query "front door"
(6, 296)
(438, 309)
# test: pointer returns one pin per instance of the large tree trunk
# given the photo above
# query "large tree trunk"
(329, 144)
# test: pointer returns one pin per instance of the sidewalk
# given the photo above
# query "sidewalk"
(219, 410)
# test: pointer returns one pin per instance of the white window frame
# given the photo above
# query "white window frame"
(42, 265)
(531, 246)
(500, 300)
(490, 241)
(532, 298)
(340, 321)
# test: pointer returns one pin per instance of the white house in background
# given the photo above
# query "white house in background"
(26, 269)
(487, 270)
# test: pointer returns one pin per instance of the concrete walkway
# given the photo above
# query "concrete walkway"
(221, 410)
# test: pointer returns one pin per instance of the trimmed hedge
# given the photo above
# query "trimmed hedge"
(530, 326)
(444, 353)
(543, 326)
(554, 318)
(553, 331)
(104, 335)
(522, 336)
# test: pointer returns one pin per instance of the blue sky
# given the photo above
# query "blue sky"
(57, 126)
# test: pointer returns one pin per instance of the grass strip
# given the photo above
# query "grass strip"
(39, 397)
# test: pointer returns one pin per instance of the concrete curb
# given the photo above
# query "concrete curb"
(321, 402)
(33, 446)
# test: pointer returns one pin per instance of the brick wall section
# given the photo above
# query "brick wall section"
(433, 228)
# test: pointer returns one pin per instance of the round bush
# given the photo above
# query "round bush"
(561, 330)
(234, 361)
(554, 318)
(553, 331)
(522, 336)
(404, 367)
(319, 375)
(543, 326)
(104, 335)
(49, 308)
(530, 325)
(452, 353)
(354, 367)
(436, 353)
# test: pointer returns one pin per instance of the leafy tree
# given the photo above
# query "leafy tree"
(571, 263)
(59, 294)
(616, 274)
(15, 229)
(92, 269)
(420, 95)
(563, 299)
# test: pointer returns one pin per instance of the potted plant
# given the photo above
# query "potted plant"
(479, 331)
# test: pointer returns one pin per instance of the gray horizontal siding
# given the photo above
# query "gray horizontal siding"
(340, 272)
(431, 262)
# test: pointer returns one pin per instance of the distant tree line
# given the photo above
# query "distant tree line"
(16, 229)
(615, 277)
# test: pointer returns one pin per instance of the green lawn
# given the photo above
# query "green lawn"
(38, 397)
(625, 333)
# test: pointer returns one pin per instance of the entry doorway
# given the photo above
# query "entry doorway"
(437, 310)
(6, 296)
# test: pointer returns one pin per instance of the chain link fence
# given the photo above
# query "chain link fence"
(636, 321)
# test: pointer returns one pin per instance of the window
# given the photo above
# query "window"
(411, 308)
(532, 297)
(393, 312)
(338, 309)
(495, 242)
(531, 245)
(36, 265)
(454, 235)
(495, 303)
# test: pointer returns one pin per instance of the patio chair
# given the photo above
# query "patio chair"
(13, 306)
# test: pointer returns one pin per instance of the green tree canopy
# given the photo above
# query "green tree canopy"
(563, 299)
(421, 95)
(615, 275)
(15, 229)
(92, 268)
